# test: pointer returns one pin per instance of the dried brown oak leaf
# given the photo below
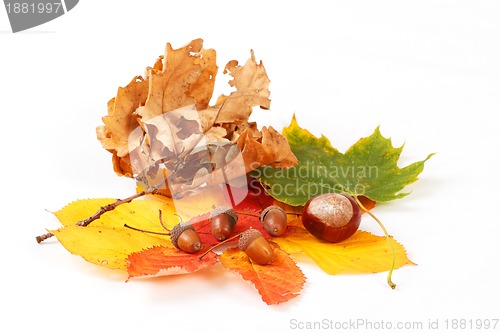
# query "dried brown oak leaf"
(164, 116)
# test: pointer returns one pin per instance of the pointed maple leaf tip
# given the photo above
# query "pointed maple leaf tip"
(378, 133)
(294, 119)
(429, 156)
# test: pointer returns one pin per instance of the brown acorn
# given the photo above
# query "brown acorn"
(256, 247)
(222, 222)
(274, 220)
(185, 238)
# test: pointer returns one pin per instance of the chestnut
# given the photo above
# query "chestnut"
(332, 217)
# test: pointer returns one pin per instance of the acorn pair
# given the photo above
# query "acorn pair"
(223, 221)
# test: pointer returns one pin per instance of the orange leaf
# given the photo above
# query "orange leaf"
(277, 282)
(161, 260)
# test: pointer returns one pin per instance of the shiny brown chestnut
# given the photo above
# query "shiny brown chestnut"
(222, 222)
(274, 220)
(185, 238)
(256, 247)
(332, 217)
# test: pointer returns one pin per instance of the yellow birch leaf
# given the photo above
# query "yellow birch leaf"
(80, 210)
(108, 247)
(363, 252)
(106, 241)
(141, 214)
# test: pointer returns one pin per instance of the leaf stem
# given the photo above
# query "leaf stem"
(147, 231)
(247, 214)
(389, 275)
(255, 215)
(218, 244)
(102, 210)
(296, 214)
(160, 217)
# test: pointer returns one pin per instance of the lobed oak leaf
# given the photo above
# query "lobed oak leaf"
(251, 83)
(363, 252)
(186, 77)
(277, 282)
(270, 149)
(162, 260)
(121, 121)
(169, 125)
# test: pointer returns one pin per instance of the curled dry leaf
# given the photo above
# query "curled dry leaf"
(164, 122)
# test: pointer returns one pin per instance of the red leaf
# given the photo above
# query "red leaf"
(202, 226)
(248, 214)
(256, 199)
(161, 260)
(367, 202)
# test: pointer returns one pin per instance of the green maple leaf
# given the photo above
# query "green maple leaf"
(368, 168)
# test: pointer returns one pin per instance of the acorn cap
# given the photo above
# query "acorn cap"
(178, 230)
(265, 211)
(224, 210)
(248, 237)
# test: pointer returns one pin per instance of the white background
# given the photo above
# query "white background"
(427, 72)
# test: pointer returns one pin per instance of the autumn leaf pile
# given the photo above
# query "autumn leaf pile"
(184, 79)
(161, 118)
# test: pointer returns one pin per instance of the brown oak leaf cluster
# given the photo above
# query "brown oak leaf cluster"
(162, 119)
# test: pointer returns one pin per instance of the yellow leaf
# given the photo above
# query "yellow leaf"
(80, 210)
(361, 253)
(106, 241)
(138, 213)
(108, 247)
